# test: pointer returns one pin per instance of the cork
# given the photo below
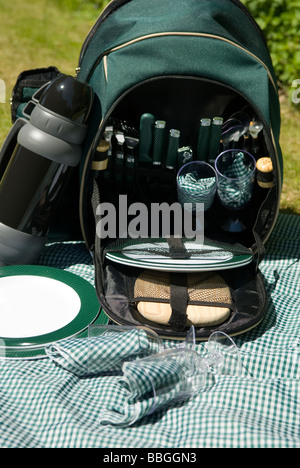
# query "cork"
(100, 159)
(264, 168)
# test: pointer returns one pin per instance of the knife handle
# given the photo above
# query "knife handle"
(203, 139)
(159, 141)
(215, 139)
(172, 148)
(146, 137)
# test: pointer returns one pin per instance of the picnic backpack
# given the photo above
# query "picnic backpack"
(176, 65)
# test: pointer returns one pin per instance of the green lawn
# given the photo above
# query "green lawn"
(40, 33)
(290, 145)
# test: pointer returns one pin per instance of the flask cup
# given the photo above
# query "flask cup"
(47, 148)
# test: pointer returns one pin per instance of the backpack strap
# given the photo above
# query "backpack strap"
(177, 248)
(263, 222)
(178, 300)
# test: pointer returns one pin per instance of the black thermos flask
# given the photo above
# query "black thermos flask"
(48, 147)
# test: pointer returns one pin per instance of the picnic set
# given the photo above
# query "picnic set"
(171, 106)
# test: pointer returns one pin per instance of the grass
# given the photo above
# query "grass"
(290, 145)
(42, 33)
(38, 34)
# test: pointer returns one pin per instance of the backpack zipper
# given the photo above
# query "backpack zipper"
(115, 4)
(242, 7)
(108, 9)
(183, 34)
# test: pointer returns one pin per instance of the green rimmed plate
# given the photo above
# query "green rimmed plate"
(40, 305)
(153, 255)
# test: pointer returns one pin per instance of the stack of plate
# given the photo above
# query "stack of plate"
(153, 255)
(41, 305)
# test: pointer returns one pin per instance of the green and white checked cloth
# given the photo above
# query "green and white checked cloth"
(45, 405)
(236, 187)
(145, 385)
(195, 190)
(100, 354)
(143, 389)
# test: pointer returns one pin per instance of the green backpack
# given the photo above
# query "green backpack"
(178, 63)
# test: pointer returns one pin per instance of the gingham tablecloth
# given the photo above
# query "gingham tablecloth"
(44, 405)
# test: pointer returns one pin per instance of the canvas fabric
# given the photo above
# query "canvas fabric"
(44, 405)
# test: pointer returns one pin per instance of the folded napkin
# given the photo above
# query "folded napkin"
(101, 354)
(238, 168)
(148, 385)
(144, 389)
(193, 184)
(238, 192)
(195, 190)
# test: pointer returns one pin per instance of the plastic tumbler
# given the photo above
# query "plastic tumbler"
(236, 175)
(197, 183)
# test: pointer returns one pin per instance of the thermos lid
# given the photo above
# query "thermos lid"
(69, 98)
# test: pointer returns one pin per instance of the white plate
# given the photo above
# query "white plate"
(34, 305)
(40, 305)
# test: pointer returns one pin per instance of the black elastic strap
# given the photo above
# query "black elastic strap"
(261, 223)
(177, 248)
(178, 300)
